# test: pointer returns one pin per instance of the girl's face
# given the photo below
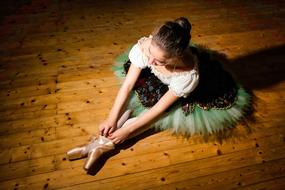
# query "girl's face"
(156, 55)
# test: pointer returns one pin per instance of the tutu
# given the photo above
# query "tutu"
(217, 103)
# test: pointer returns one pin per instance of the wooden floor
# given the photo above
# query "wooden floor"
(56, 86)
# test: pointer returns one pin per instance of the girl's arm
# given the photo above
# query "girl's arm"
(109, 125)
(166, 100)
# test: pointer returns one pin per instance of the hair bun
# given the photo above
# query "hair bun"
(184, 23)
(173, 36)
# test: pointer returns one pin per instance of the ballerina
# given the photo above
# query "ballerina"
(169, 85)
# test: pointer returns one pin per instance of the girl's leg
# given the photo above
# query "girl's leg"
(137, 132)
(124, 117)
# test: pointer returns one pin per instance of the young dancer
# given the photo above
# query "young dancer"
(168, 83)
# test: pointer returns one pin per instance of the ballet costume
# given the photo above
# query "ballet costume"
(209, 98)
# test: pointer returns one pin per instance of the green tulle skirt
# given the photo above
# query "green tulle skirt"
(203, 121)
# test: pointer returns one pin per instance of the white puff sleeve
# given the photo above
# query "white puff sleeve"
(137, 57)
(183, 85)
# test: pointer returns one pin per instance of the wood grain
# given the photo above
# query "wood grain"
(57, 85)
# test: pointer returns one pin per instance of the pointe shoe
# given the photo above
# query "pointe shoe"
(76, 153)
(105, 145)
(82, 151)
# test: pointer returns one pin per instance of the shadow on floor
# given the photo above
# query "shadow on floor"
(259, 70)
(256, 71)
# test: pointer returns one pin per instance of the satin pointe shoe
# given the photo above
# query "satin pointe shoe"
(105, 145)
(82, 151)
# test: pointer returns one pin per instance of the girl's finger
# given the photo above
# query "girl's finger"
(106, 131)
(114, 140)
(112, 130)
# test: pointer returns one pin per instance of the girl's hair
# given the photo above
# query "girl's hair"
(173, 36)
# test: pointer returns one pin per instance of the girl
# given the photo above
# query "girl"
(168, 84)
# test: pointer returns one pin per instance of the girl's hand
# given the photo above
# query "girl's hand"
(107, 127)
(120, 135)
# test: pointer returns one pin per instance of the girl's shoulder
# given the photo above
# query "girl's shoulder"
(137, 54)
(144, 43)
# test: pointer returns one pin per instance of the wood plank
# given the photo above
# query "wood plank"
(141, 152)
(171, 173)
(274, 184)
(57, 55)
(241, 178)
